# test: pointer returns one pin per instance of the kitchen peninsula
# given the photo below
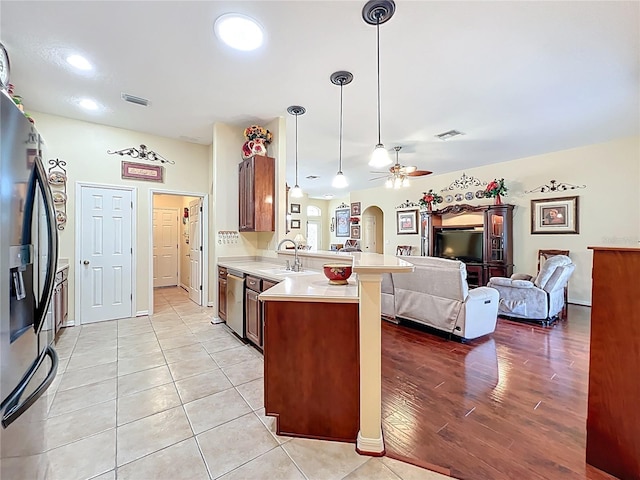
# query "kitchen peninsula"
(323, 351)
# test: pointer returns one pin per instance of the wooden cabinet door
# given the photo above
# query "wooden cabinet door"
(222, 298)
(252, 316)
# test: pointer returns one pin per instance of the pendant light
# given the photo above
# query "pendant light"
(377, 12)
(296, 192)
(340, 78)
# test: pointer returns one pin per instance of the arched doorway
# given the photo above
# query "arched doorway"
(372, 230)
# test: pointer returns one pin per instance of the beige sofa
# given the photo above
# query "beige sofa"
(436, 294)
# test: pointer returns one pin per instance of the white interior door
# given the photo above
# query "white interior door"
(314, 234)
(165, 247)
(106, 253)
(369, 234)
(195, 251)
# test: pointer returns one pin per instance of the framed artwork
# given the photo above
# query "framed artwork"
(140, 171)
(554, 215)
(342, 222)
(355, 209)
(295, 208)
(355, 231)
(407, 222)
(295, 224)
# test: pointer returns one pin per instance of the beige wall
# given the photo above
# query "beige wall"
(84, 147)
(609, 205)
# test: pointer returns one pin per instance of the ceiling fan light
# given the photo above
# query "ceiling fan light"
(296, 192)
(340, 181)
(388, 183)
(380, 157)
(405, 182)
(397, 182)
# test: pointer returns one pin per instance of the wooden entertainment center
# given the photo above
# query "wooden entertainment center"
(496, 224)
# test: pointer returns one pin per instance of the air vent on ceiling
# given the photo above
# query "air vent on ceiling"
(312, 177)
(449, 134)
(133, 99)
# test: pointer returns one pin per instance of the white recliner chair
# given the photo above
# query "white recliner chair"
(436, 294)
(539, 299)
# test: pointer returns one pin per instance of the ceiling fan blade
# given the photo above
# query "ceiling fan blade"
(381, 173)
(419, 173)
(408, 170)
(378, 178)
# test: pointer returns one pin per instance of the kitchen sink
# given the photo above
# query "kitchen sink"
(281, 272)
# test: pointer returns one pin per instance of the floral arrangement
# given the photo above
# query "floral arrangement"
(255, 132)
(495, 188)
(354, 219)
(429, 198)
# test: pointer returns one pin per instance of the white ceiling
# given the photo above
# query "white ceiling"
(519, 78)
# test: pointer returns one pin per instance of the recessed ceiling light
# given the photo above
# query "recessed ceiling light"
(88, 104)
(327, 196)
(79, 62)
(239, 31)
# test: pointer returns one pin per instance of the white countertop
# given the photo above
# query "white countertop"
(312, 285)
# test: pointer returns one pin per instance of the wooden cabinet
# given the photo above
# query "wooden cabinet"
(61, 299)
(312, 369)
(257, 194)
(498, 241)
(252, 317)
(613, 424)
(496, 222)
(222, 293)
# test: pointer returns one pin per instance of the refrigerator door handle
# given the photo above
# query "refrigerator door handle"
(52, 247)
(15, 408)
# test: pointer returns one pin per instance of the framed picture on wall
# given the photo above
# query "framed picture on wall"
(295, 224)
(342, 222)
(355, 231)
(554, 215)
(407, 222)
(295, 208)
(355, 209)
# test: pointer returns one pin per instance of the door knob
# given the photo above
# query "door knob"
(86, 262)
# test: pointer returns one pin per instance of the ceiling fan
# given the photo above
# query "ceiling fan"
(398, 175)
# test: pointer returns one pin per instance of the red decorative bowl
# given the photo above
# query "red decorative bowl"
(337, 273)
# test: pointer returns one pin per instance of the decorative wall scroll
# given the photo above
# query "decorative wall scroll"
(57, 178)
(555, 187)
(407, 204)
(140, 171)
(463, 183)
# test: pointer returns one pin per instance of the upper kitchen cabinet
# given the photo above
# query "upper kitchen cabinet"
(257, 194)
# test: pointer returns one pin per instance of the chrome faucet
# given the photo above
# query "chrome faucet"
(297, 265)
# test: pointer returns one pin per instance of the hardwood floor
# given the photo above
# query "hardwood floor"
(509, 406)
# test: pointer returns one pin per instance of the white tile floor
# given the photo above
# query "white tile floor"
(175, 397)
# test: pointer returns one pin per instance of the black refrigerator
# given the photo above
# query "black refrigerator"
(28, 258)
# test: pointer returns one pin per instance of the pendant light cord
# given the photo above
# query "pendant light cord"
(341, 85)
(297, 149)
(378, 54)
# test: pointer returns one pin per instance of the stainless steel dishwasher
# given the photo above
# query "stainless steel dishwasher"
(235, 302)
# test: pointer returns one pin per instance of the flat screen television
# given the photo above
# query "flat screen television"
(464, 245)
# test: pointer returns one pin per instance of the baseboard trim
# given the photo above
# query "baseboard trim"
(583, 303)
(373, 447)
(142, 313)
